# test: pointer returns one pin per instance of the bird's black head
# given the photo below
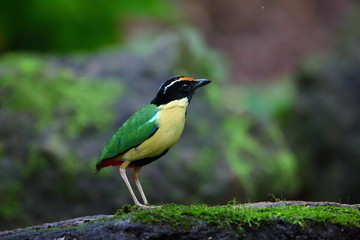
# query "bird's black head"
(177, 88)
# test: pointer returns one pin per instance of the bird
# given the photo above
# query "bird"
(150, 132)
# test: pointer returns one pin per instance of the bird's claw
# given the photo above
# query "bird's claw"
(144, 207)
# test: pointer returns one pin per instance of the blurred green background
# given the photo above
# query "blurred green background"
(280, 120)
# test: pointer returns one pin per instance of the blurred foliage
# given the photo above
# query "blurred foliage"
(56, 114)
(323, 128)
(261, 157)
(244, 126)
(240, 151)
(57, 101)
(10, 189)
(184, 49)
(67, 25)
(31, 85)
(255, 146)
(197, 57)
(249, 132)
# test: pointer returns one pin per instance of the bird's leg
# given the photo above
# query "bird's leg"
(122, 171)
(136, 179)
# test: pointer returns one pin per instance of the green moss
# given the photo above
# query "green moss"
(240, 217)
(230, 217)
(127, 209)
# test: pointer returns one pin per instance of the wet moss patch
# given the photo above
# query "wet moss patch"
(241, 217)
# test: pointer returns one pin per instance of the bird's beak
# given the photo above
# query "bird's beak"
(201, 82)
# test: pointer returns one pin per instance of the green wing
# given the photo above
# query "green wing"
(132, 133)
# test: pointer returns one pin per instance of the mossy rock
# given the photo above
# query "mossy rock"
(266, 220)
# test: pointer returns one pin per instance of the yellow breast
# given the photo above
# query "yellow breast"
(171, 125)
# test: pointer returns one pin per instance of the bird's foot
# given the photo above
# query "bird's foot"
(148, 206)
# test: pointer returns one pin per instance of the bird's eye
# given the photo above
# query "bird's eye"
(186, 86)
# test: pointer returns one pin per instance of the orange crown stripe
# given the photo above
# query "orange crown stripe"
(186, 79)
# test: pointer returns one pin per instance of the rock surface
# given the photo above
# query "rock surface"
(112, 227)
